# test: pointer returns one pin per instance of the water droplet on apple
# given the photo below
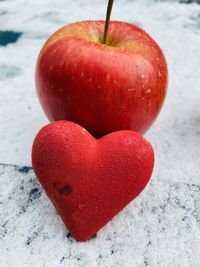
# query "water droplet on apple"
(83, 131)
(148, 91)
(159, 74)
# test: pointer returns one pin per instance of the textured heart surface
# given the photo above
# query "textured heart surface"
(90, 180)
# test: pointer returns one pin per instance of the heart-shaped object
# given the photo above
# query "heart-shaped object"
(90, 180)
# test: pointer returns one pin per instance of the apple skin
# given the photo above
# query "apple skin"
(105, 88)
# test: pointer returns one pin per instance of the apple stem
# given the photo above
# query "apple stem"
(108, 14)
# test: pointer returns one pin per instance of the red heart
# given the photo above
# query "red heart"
(88, 180)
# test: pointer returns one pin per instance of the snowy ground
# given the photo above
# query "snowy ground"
(160, 228)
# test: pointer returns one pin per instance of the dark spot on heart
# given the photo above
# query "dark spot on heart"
(94, 236)
(65, 190)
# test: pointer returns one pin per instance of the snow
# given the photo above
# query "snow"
(167, 213)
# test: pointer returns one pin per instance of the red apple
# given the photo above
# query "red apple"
(104, 87)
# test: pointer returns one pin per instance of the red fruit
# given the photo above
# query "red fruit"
(89, 181)
(104, 88)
